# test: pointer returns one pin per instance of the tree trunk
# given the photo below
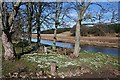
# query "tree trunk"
(56, 25)
(38, 29)
(30, 33)
(38, 36)
(77, 40)
(53, 68)
(78, 25)
(8, 29)
(8, 47)
(29, 14)
(55, 38)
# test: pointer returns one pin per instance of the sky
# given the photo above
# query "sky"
(94, 11)
(58, 0)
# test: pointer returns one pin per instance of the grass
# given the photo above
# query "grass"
(18, 66)
(35, 62)
(99, 60)
(92, 60)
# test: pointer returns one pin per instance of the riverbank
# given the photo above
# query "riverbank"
(104, 41)
(34, 65)
(37, 65)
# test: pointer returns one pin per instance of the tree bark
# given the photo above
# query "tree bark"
(55, 38)
(29, 14)
(8, 29)
(56, 25)
(77, 40)
(38, 22)
(30, 34)
(38, 32)
(8, 47)
(78, 25)
(38, 36)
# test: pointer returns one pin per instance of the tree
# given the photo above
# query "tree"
(39, 8)
(41, 18)
(80, 13)
(8, 17)
(60, 14)
(18, 26)
(0, 25)
(56, 25)
(30, 12)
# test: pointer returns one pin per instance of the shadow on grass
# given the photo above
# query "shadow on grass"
(27, 52)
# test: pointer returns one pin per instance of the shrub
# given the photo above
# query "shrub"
(23, 43)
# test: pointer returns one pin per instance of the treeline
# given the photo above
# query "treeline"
(59, 30)
(98, 30)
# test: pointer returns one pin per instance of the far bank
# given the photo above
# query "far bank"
(104, 41)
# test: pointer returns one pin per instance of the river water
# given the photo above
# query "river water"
(105, 50)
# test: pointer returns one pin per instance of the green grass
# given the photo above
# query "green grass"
(94, 61)
(99, 60)
(36, 62)
(15, 66)
(18, 65)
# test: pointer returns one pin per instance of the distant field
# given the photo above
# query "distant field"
(97, 40)
(59, 30)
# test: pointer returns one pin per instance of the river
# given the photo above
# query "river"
(105, 50)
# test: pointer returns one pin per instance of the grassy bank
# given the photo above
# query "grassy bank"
(37, 65)
(88, 64)
(92, 60)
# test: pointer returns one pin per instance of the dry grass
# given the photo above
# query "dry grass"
(99, 40)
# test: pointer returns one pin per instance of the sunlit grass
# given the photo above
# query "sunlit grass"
(89, 59)
(35, 62)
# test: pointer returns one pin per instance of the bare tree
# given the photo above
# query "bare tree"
(60, 14)
(38, 10)
(80, 13)
(0, 20)
(56, 25)
(8, 28)
(41, 17)
(30, 12)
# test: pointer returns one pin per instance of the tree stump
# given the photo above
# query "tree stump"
(53, 68)
(65, 51)
(45, 50)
